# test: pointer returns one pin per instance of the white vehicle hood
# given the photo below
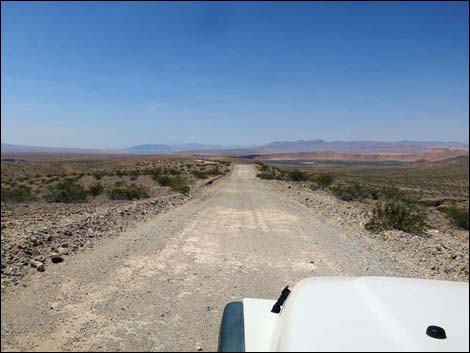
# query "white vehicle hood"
(362, 314)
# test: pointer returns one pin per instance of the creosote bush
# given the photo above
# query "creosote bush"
(266, 175)
(67, 191)
(17, 194)
(128, 192)
(96, 189)
(263, 167)
(323, 180)
(163, 180)
(459, 215)
(153, 172)
(350, 192)
(199, 174)
(177, 183)
(397, 214)
(99, 175)
(214, 171)
(297, 175)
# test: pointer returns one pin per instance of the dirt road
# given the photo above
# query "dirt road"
(163, 285)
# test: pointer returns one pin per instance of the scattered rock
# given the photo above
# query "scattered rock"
(56, 259)
(63, 251)
(37, 265)
(62, 229)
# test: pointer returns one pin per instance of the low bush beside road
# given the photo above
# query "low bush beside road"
(17, 194)
(392, 208)
(458, 214)
(96, 189)
(351, 192)
(323, 180)
(67, 191)
(297, 175)
(72, 184)
(128, 192)
(397, 214)
(199, 174)
(179, 184)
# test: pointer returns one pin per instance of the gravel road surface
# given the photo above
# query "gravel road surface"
(163, 285)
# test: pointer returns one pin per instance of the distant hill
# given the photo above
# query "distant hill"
(7, 148)
(433, 154)
(357, 146)
(164, 149)
(150, 149)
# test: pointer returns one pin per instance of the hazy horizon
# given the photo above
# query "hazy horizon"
(239, 146)
(113, 75)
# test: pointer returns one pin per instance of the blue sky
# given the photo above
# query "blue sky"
(115, 74)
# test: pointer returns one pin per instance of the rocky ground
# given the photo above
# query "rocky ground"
(441, 253)
(38, 235)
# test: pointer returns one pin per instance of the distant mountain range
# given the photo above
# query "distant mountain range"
(432, 154)
(7, 148)
(157, 149)
(358, 147)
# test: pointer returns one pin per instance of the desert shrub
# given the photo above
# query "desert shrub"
(397, 214)
(214, 171)
(266, 175)
(199, 174)
(128, 192)
(164, 180)
(263, 167)
(323, 180)
(99, 175)
(153, 172)
(118, 183)
(350, 192)
(17, 194)
(374, 193)
(394, 193)
(459, 215)
(72, 178)
(297, 175)
(134, 173)
(67, 191)
(96, 189)
(174, 171)
(179, 184)
(356, 191)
